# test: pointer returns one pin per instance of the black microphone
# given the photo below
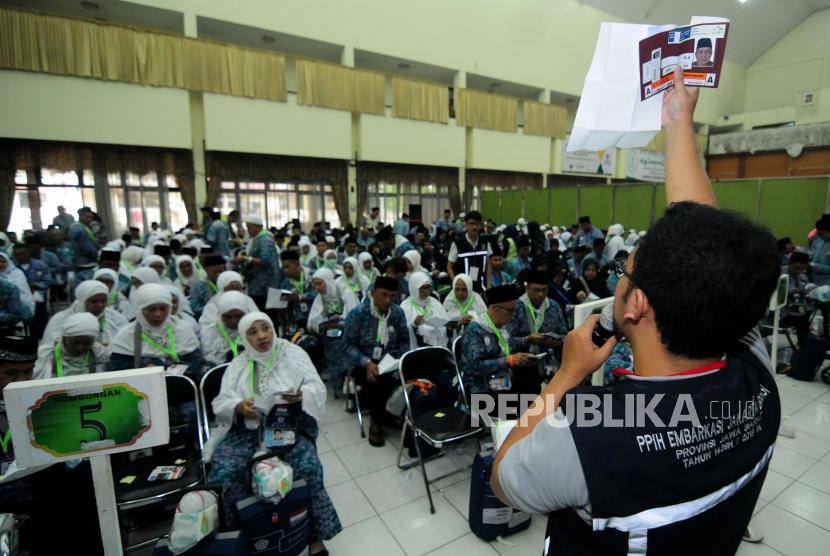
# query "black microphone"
(606, 327)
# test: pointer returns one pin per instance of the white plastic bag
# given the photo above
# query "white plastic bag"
(197, 515)
(271, 479)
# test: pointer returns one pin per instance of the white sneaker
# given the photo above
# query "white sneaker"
(750, 535)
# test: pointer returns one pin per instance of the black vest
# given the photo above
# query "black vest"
(675, 489)
(469, 257)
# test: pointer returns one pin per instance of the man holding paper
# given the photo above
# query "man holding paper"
(676, 476)
(537, 317)
(376, 331)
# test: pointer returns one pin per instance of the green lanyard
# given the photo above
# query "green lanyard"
(537, 317)
(465, 307)
(335, 308)
(59, 361)
(5, 440)
(425, 312)
(354, 286)
(197, 264)
(89, 232)
(231, 343)
(112, 299)
(213, 287)
(505, 347)
(252, 367)
(299, 285)
(169, 349)
(381, 322)
(102, 323)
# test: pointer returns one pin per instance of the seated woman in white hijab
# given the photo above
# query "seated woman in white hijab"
(116, 300)
(614, 241)
(15, 276)
(181, 309)
(326, 317)
(367, 267)
(130, 260)
(413, 263)
(226, 282)
(307, 254)
(75, 351)
(352, 280)
(154, 338)
(220, 338)
(142, 275)
(187, 274)
(267, 369)
(330, 260)
(419, 307)
(463, 304)
(157, 263)
(90, 297)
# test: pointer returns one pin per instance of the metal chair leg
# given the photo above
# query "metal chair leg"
(400, 448)
(424, 473)
(353, 387)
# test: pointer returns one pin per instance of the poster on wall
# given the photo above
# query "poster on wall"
(588, 162)
(646, 165)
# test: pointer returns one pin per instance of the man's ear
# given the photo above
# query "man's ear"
(638, 306)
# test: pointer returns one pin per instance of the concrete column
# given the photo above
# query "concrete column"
(197, 127)
(347, 59)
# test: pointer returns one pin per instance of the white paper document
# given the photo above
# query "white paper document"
(277, 299)
(610, 112)
(388, 364)
(436, 322)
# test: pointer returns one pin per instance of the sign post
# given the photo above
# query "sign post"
(95, 415)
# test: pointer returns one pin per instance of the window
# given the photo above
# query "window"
(279, 203)
(39, 194)
(394, 199)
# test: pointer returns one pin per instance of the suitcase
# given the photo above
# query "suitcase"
(217, 544)
(488, 516)
(283, 529)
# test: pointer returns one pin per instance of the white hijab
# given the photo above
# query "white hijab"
(413, 308)
(145, 275)
(336, 301)
(370, 274)
(16, 276)
(358, 283)
(181, 279)
(451, 304)
(227, 278)
(152, 294)
(214, 345)
(414, 259)
(125, 309)
(77, 324)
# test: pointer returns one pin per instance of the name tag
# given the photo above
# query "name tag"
(500, 382)
(474, 273)
(304, 307)
(377, 353)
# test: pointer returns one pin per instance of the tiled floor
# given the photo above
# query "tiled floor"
(385, 510)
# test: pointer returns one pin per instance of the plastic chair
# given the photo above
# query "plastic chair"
(438, 427)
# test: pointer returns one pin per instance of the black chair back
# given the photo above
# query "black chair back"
(209, 387)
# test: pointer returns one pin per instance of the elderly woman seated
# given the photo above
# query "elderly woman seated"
(75, 351)
(220, 337)
(270, 370)
(155, 338)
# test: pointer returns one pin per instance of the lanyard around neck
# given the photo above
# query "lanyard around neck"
(537, 316)
(505, 347)
(88, 232)
(381, 322)
(464, 308)
(213, 287)
(252, 368)
(59, 360)
(299, 285)
(169, 349)
(232, 343)
(423, 310)
(5, 440)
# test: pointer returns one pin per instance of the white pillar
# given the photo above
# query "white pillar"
(197, 127)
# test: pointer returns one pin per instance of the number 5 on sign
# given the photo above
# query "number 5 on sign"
(87, 415)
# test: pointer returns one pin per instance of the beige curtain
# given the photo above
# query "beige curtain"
(63, 46)
(339, 87)
(486, 110)
(419, 100)
(549, 120)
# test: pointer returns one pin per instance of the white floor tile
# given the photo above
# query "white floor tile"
(789, 534)
(459, 496)
(755, 549)
(791, 402)
(818, 477)
(809, 390)
(468, 545)
(814, 418)
(789, 463)
(363, 458)
(529, 541)
(390, 488)
(420, 532)
(806, 502)
(804, 443)
(335, 412)
(342, 433)
(323, 445)
(760, 504)
(333, 470)
(774, 484)
(352, 507)
(367, 537)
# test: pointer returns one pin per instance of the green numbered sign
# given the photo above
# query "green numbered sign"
(78, 421)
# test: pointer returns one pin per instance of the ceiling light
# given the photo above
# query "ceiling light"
(91, 6)
(742, 1)
(403, 66)
(268, 39)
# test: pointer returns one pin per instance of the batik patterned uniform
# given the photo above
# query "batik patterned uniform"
(482, 357)
(268, 274)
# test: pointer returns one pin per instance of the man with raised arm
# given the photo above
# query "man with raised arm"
(669, 459)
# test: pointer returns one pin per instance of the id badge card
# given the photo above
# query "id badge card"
(279, 429)
(474, 273)
(377, 353)
(500, 382)
(304, 307)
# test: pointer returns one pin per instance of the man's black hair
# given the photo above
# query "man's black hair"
(599, 242)
(708, 274)
(398, 264)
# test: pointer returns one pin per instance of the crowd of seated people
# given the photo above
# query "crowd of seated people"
(199, 298)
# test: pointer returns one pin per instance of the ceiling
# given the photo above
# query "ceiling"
(403, 67)
(502, 87)
(114, 11)
(756, 24)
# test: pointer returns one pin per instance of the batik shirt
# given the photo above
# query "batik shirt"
(12, 310)
(267, 274)
(218, 236)
(361, 334)
(552, 320)
(200, 293)
(83, 245)
(482, 357)
(305, 290)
